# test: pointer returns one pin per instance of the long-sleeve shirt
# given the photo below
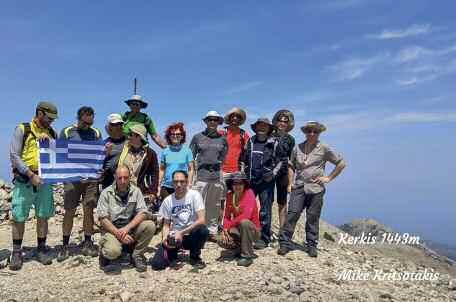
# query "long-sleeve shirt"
(16, 149)
(247, 209)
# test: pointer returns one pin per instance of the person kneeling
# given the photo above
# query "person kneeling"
(122, 212)
(184, 225)
(241, 225)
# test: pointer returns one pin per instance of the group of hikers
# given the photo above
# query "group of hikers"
(207, 190)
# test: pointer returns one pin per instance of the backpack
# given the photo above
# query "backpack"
(28, 132)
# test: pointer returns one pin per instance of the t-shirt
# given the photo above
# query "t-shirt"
(77, 134)
(182, 212)
(174, 158)
(209, 153)
(131, 119)
(233, 138)
(110, 161)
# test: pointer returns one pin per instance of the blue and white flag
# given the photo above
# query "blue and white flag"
(64, 160)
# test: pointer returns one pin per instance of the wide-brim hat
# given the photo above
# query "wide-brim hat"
(236, 176)
(264, 120)
(288, 114)
(48, 108)
(140, 130)
(215, 114)
(313, 125)
(137, 98)
(238, 111)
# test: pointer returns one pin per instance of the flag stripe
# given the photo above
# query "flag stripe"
(67, 171)
(72, 165)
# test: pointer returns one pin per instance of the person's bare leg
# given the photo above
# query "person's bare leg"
(282, 208)
(67, 225)
(17, 229)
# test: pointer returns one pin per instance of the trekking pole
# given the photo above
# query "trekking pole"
(135, 86)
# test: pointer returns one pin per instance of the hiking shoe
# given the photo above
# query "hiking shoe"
(260, 245)
(312, 251)
(89, 249)
(16, 260)
(197, 262)
(244, 261)
(103, 261)
(283, 250)
(63, 254)
(139, 262)
(44, 257)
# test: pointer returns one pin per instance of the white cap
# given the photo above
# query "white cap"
(114, 118)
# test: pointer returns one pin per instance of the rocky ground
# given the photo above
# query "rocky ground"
(295, 277)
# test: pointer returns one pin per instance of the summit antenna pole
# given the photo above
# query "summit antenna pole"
(135, 86)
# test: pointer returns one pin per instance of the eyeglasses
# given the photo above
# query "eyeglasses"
(176, 134)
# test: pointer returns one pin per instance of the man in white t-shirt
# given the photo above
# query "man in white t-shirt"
(184, 224)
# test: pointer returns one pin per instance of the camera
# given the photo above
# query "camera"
(171, 240)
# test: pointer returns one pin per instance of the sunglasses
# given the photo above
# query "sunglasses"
(312, 131)
(176, 134)
(135, 104)
(283, 121)
(212, 119)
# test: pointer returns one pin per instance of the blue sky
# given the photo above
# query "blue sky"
(379, 74)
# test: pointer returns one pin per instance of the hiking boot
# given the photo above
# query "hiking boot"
(44, 257)
(16, 260)
(139, 262)
(103, 261)
(243, 261)
(63, 254)
(283, 250)
(197, 262)
(312, 251)
(260, 245)
(89, 249)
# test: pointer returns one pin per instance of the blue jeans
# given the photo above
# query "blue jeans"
(265, 192)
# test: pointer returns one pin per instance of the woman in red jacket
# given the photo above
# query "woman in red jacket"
(241, 225)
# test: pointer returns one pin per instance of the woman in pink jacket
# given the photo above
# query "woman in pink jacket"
(241, 225)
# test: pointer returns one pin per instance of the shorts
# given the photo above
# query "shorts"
(74, 191)
(25, 195)
(281, 184)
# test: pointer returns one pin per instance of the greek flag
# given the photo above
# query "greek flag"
(64, 160)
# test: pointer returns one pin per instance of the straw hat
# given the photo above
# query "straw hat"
(238, 111)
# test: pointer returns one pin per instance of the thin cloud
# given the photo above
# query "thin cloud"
(244, 87)
(423, 117)
(413, 53)
(413, 30)
(355, 68)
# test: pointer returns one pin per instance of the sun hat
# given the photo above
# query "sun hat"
(137, 98)
(313, 125)
(213, 113)
(48, 108)
(264, 120)
(235, 110)
(288, 114)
